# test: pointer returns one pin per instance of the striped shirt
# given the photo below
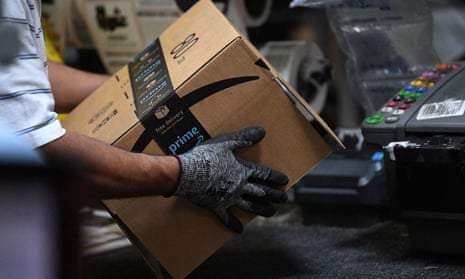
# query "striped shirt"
(26, 100)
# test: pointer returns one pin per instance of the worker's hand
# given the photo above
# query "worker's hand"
(213, 177)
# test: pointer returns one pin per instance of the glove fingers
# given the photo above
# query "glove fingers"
(264, 175)
(229, 220)
(264, 192)
(257, 207)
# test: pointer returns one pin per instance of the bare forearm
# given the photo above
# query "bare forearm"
(70, 86)
(112, 172)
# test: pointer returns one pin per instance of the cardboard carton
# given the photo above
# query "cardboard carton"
(199, 79)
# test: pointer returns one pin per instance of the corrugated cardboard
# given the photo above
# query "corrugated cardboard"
(199, 74)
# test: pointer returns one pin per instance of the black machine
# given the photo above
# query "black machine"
(346, 189)
(422, 133)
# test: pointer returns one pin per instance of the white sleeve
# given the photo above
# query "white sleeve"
(26, 99)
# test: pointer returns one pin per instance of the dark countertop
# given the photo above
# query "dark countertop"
(283, 247)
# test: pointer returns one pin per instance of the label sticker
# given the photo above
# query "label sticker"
(447, 108)
(166, 119)
(149, 79)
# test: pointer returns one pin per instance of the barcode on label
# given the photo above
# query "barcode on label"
(446, 108)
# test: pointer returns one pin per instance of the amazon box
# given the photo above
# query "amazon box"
(200, 78)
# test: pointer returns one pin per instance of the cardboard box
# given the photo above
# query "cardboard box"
(199, 79)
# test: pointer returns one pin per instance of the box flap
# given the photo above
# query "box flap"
(297, 99)
(94, 115)
(193, 40)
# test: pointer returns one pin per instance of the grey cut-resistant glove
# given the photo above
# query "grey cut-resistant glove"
(213, 177)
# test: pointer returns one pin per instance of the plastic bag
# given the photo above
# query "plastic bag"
(381, 4)
(387, 43)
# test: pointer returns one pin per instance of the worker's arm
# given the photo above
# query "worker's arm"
(70, 86)
(110, 171)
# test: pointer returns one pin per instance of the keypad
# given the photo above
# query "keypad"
(393, 110)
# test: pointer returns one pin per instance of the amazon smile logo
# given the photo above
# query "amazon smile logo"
(180, 135)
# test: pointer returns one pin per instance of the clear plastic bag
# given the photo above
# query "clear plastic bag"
(381, 4)
(387, 44)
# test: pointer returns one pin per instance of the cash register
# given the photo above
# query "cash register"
(421, 130)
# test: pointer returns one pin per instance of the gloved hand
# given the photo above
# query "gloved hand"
(213, 177)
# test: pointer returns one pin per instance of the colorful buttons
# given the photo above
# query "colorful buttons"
(405, 93)
(386, 109)
(398, 98)
(421, 90)
(441, 67)
(403, 100)
(410, 88)
(392, 104)
(446, 67)
(404, 106)
(398, 112)
(392, 119)
(417, 82)
(428, 75)
(416, 95)
(375, 119)
(409, 100)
